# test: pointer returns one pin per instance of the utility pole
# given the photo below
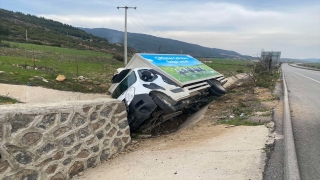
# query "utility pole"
(125, 32)
(26, 35)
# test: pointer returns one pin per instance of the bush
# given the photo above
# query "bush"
(37, 42)
(264, 81)
(56, 44)
(5, 44)
(118, 57)
(265, 72)
(240, 71)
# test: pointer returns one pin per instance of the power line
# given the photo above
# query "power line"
(144, 27)
(135, 24)
(138, 21)
(147, 3)
(147, 22)
(143, 18)
(132, 2)
(143, 1)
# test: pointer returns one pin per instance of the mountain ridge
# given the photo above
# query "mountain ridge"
(152, 44)
(15, 25)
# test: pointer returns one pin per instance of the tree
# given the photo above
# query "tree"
(4, 31)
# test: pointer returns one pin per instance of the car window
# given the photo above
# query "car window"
(117, 78)
(124, 85)
(153, 77)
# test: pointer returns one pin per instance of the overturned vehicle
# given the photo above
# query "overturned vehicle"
(158, 87)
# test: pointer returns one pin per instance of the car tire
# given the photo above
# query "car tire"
(164, 102)
(217, 87)
(214, 93)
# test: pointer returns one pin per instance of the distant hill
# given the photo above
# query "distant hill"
(300, 60)
(312, 60)
(150, 44)
(44, 31)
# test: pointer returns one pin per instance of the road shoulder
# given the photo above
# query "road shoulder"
(214, 152)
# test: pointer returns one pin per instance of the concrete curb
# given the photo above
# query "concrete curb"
(194, 118)
(291, 168)
(302, 67)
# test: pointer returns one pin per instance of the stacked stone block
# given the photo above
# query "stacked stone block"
(57, 141)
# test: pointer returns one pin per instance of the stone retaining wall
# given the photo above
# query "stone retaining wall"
(57, 141)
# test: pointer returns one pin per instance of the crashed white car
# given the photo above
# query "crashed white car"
(158, 87)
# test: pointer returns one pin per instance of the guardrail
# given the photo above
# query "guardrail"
(302, 67)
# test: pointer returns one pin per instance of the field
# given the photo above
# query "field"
(38, 65)
(229, 67)
(312, 65)
(59, 50)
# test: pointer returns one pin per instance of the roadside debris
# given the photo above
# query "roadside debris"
(61, 78)
(144, 136)
(82, 78)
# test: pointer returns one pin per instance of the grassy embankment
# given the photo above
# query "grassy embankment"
(242, 102)
(29, 64)
(229, 67)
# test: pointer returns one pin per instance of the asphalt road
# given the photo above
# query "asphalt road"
(304, 99)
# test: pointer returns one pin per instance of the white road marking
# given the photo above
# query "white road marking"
(306, 76)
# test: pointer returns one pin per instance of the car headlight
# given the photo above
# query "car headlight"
(129, 95)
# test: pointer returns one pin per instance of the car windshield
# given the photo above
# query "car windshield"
(124, 85)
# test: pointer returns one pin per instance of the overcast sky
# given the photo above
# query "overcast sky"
(244, 26)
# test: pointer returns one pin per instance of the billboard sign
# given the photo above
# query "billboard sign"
(275, 55)
(184, 68)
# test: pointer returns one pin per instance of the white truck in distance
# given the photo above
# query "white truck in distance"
(158, 87)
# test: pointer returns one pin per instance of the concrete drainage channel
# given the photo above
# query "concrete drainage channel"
(291, 168)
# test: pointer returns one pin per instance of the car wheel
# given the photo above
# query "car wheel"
(214, 93)
(164, 102)
(217, 87)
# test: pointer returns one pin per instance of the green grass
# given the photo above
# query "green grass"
(229, 67)
(58, 50)
(267, 80)
(240, 122)
(18, 67)
(7, 100)
(241, 108)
